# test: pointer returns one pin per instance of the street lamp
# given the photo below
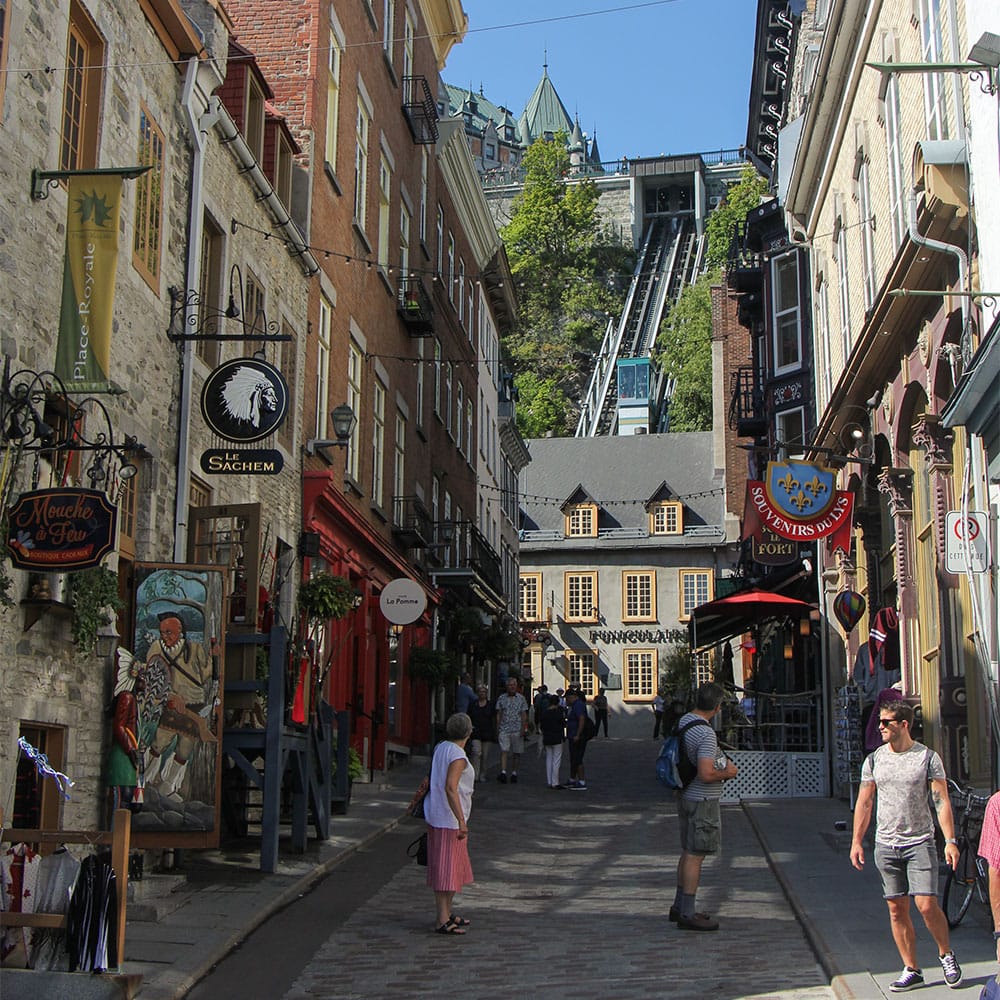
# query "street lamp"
(343, 420)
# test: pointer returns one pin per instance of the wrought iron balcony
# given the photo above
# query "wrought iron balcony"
(747, 412)
(471, 561)
(420, 110)
(411, 523)
(415, 307)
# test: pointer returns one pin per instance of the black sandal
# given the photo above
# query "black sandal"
(449, 928)
(459, 921)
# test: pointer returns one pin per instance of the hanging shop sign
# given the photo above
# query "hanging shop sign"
(245, 400)
(402, 601)
(61, 529)
(242, 461)
(798, 501)
(771, 549)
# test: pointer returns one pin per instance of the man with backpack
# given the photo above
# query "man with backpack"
(698, 812)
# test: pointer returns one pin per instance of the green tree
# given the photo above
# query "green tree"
(566, 268)
(684, 344)
(730, 216)
(684, 352)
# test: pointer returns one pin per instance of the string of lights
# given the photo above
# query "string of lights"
(541, 500)
(319, 50)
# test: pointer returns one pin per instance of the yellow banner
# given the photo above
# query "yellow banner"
(83, 355)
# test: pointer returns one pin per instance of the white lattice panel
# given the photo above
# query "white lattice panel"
(771, 775)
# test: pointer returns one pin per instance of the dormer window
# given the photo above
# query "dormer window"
(581, 521)
(667, 518)
(253, 121)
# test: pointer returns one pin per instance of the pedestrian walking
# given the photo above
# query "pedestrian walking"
(698, 811)
(576, 718)
(464, 694)
(512, 726)
(896, 777)
(989, 850)
(657, 715)
(446, 810)
(601, 712)
(553, 727)
(484, 732)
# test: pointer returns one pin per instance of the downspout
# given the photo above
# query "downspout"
(195, 221)
(960, 255)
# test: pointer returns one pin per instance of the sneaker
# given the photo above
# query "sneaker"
(699, 922)
(502, 777)
(513, 778)
(579, 786)
(909, 979)
(952, 970)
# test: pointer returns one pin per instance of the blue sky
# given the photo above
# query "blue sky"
(670, 77)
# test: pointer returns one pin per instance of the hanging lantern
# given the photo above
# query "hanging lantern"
(848, 606)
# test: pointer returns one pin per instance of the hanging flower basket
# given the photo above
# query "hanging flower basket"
(324, 597)
(435, 666)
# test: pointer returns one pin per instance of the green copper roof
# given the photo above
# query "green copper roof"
(545, 112)
(462, 100)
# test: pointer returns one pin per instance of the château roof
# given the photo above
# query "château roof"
(462, 101)
(545, 112)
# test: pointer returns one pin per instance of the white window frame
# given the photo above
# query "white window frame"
(362, 134)
(640, 674)
(639, 595)
(582, 667)
(932, 51)
(667, 518)
(580, 595)
(530, 597)
(388, 25)
(894, 163)
(334, 61)
(323, 333)
(399, 460)
(866, 222)
(438, 375)
(355, 361)
(384, 201)
(788, 315)
(782, 421)
(378, 443)
(460, 414)
(695, 587)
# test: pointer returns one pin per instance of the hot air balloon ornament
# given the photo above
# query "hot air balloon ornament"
(848, 606)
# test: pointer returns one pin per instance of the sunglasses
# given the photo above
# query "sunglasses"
(883, 723)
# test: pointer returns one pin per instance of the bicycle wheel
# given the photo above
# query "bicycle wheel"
(959, 885)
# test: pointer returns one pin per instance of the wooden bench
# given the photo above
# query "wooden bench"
(119, 838)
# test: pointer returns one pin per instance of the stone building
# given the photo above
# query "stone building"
(621, 538)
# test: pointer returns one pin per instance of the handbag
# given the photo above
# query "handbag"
(416, 806)
(418, 849)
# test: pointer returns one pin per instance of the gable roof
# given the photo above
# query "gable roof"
(621, 475)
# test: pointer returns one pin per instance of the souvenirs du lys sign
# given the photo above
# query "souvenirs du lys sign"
(243, 401)
(798, 501)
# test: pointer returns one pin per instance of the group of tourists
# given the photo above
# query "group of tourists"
(903, 787)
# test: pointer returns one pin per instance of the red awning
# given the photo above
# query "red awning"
(719, 620)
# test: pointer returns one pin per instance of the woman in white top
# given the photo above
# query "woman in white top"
(446, 810)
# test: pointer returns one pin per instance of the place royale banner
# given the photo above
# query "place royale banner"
(798, 501)
(83, 355)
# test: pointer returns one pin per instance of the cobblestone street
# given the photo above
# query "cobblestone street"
(571, 895)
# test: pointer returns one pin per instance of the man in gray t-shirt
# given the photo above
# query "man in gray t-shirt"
(698, 812)
(900, 772)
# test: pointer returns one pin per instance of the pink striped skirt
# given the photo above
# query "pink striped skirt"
(448, 865)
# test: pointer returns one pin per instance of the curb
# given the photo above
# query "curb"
(843, 986)
(180, 988)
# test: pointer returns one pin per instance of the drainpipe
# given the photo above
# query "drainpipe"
(196, 215)
(960, 255)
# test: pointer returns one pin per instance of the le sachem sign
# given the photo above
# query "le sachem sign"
(61, 529)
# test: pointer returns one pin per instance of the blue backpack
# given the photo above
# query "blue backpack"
(674, 767)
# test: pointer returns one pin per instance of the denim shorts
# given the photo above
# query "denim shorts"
(908, 871)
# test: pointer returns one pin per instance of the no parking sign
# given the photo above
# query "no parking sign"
(966, 545)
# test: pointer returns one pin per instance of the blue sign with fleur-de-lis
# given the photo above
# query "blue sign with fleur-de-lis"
(801, 491)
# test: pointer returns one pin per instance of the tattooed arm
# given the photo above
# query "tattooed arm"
(942, 806)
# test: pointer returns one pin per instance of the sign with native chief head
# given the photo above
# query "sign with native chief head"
(245, 400)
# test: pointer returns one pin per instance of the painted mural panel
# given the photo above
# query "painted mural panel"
(167, 746)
